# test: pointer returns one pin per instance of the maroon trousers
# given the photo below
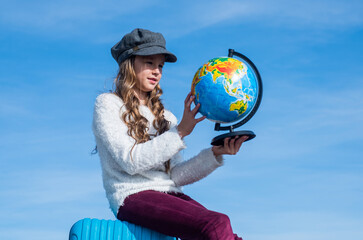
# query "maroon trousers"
(175, 214)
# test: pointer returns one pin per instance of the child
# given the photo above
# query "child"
(139, 145)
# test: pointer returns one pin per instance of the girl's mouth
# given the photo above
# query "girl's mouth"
(152, 80)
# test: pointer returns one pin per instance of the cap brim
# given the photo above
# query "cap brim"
(154, 50)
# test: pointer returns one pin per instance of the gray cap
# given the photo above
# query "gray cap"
(141, 42)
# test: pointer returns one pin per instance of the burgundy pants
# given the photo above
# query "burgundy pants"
(175, 214)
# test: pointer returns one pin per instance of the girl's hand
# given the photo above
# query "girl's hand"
(189, 121)
(230, 147)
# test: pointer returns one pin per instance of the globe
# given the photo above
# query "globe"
(226, 88)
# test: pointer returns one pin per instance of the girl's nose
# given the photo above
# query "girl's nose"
(156, 71)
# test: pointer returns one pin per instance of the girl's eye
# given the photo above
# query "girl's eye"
(148, 62)
(161, 66)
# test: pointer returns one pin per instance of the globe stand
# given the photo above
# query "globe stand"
(219, 140)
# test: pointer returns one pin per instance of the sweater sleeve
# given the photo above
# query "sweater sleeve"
(111, 131)
(196, 168)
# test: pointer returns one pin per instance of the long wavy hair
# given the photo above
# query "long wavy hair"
(124, 87)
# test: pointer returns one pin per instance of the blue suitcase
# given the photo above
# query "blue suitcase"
(95, 229)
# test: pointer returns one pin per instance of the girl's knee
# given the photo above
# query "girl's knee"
(221, 219)
(218, 227)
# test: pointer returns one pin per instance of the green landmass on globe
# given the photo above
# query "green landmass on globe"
(226, 89)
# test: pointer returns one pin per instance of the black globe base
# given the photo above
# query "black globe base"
(219, 140)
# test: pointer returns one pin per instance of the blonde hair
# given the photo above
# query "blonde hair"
(137, 124)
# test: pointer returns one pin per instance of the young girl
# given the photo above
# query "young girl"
(139, 145)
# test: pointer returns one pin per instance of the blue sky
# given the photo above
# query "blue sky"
(300, 178)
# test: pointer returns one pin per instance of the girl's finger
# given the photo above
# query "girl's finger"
(188, 97)
(200, 119)
(238, 145)
(232, 145)
(195, 110)
(191, 98)
(226, 144)
(240, 141)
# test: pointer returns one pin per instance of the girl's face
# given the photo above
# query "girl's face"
(148, 71)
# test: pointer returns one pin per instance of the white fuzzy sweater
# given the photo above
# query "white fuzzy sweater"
(124, 175)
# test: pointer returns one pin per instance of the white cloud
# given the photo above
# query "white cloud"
(311, 13)
(177, 19)
(331, 109)
(32, 234)
(292, 14)
(40, 202)
(49, 186)
(11, 109)
(67, 15)
(299, 225)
